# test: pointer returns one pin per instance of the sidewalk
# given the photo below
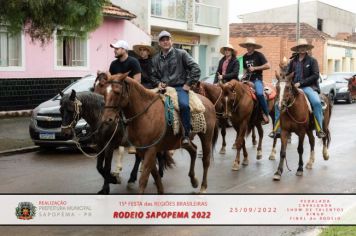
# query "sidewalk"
(14, 132)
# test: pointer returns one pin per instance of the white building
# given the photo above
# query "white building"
(322, 16)
(199, 26)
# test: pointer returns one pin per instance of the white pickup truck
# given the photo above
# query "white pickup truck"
(327, 87)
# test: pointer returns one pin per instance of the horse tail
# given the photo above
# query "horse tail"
(328, 136)
(166, 159)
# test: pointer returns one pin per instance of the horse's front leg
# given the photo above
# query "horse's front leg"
(272, 156)
(133, 175)
(223, 123)
(118, 156)
(108, 178)
(311, 138)
(300, 152)
(239, 144)
(284, 141)
(149, 163)
(260, 137)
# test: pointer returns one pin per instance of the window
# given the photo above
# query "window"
(320, 24)
(71, 50)
(10, 49)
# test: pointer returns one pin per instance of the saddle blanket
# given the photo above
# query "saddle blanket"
(197, 110)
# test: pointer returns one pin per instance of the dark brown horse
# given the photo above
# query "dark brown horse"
(142, 113)
(296, 117)
(245, 114)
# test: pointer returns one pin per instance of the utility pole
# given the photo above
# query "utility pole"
(298, 23)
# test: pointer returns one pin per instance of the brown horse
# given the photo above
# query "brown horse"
(295, 117)
(215, 95)
(142, 114)
(245, 115)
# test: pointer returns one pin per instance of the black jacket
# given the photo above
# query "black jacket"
(310, 77)
(146, 73)
(176, 69)
(232, 70)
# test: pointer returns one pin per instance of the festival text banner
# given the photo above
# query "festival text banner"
(178, 210)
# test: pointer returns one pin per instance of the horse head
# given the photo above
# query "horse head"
(100, 82)
(286, 91)
(70, 109)
(230, 90)
(116, 96)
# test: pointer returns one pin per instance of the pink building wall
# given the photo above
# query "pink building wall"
(40, 62)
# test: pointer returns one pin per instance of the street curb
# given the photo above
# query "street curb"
(19, 150)
(20, 113)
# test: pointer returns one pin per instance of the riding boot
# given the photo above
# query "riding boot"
(185, 141)
(320, 134)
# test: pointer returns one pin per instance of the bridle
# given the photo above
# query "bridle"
(76, 115)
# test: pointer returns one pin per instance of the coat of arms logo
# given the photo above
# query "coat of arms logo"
(25, 211)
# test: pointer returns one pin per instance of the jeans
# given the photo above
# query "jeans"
(315, 102)
(184, 109)
(260, 96)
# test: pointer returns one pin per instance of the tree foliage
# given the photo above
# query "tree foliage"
(40, 18)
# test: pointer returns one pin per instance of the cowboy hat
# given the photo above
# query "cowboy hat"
(301, 43)
(137, 47)
(229, 46)
(250, 41)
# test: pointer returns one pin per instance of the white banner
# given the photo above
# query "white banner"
(178, 209)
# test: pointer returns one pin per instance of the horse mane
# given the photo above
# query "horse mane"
(146, 93)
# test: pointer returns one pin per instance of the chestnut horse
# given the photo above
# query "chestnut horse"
(296, 117)
(215, 95)
(142, 115)
(245, 114)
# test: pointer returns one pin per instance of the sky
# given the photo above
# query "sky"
(238, 7)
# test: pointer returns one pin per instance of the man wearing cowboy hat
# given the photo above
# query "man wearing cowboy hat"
(228, 68)
(145, 52)
(306, 75)
(124, 62)
(254, 63)
(176, 68)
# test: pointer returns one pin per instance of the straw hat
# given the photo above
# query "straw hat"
(137, 47)
(300, 43)
(250, 41)
(229, 46)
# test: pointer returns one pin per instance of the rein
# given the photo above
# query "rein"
(77, 106)
(290, 115)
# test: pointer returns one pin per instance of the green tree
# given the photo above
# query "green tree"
(40, 18)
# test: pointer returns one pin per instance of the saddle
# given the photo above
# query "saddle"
(269, 91)
(197, 109)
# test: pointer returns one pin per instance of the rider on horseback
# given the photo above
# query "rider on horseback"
(306, 74)
(228, 68)
(176, 68)
(255, 63)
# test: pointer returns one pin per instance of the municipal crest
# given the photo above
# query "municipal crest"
(25, 211)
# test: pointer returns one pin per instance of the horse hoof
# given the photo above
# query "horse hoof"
(222, 151)
(245, 163)
(259, 157)
(130, 185)
(254, 143)
(326, 157)
(195, 183)
(236, 167)
(105, 192)
(272, 157)
(202, 190)
(299, 173)
(309, 166)
(276, 177)
(234, 146)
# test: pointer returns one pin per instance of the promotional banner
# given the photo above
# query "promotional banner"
(178, 210)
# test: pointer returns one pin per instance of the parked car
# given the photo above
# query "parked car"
(342, 90)
(45, 124)
(327, 87)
